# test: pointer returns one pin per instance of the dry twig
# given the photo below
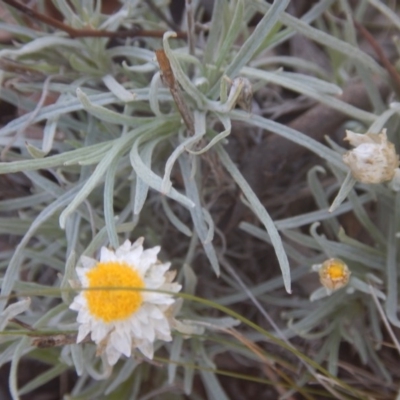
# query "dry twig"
(74, 33)
(169, 79)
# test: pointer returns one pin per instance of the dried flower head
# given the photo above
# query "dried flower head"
(334, 274)
(240, 93)
(118, 315)
(374, 158)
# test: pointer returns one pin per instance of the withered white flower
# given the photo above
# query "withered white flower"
(120, 320)
(374, 158)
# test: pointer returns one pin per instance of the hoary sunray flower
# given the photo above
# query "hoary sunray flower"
(333, 274)
(120, 319)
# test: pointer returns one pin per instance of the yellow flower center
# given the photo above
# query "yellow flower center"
(113, 305)
(336, 271)
(334, 274)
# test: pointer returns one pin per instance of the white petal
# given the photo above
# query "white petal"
(148, 332)
(121, 342)
(164, 337)
(112, 354)
(154, 283)
(81, 272)
(87, 262)
(187, 327)
(157, 298)
(136, 327)
(138, 243)
(107, 255)
(163, 330)
(84, 315)
(146, 348)
(75, 305)
(133, 257)
(156, 313)
(148, 258)
(158, 271)
(83, 331)
(99, 331)
(123, 249)
(142, 315)
(172, 287)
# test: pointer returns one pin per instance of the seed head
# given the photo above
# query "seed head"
(374, 158)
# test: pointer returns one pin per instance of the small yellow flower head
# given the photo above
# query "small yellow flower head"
(114, 311)
(374, 158)
(334, 274)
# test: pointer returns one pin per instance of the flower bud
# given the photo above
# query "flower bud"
(241, 93)
(334, 274)
(374, 158)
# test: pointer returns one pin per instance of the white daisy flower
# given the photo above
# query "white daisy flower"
(119, 320)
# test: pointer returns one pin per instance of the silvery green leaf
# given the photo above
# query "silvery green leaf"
(199, 132)
(142, 188)
(174, 219)
(153, 94)
(196, 211)
(385, 10)
(40, 44)
(123, 375)
(70, 264)
(94, 180)
(67, 11)
(153, 180)
(364, 287)
(188, 377)
(303, 27)
(77, 358)
(253, 42)
(45, 377)
(13, 310)
(213, 42)
(391, 303)
(212, 386)
(131, 51)
(319, 293)
(311, 87)
(293, 135)
(19, 30)
(117, 89)
(34, 151)
(23, 202)
(13, 268)
(49, 132)
(345, 189)
(261, 213)
(190, 279)
(109, 217)
(140, 68)
(222, 135)
(231, 35)
(21, 349)
(175, 355)
(107, 115)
